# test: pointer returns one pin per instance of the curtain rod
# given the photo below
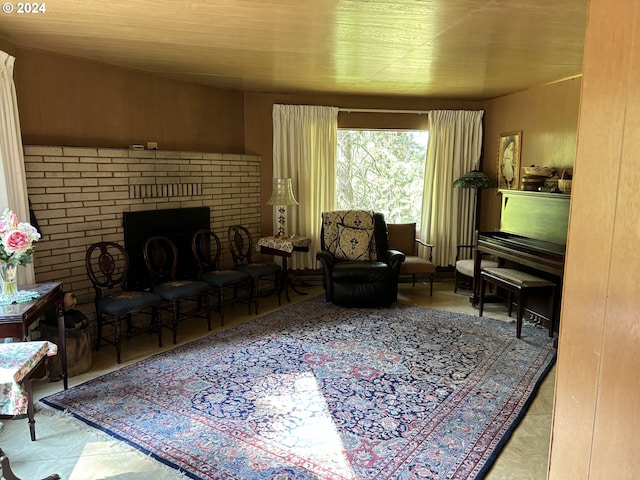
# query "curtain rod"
(381, 110)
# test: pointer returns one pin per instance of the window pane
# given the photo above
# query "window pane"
(383, 171)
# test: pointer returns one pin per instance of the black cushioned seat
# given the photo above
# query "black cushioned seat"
(357, 272)
(224, 278)
(179, 289)
(122, 303)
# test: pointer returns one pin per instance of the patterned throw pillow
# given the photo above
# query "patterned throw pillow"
(353, 243)
(360, 219)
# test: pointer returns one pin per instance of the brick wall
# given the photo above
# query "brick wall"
(79, 195)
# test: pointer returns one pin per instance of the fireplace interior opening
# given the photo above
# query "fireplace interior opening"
(178, 224)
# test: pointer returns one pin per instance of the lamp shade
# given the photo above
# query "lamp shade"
(282, 193)
(474, 179)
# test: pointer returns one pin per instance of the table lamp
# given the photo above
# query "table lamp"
(282, 196)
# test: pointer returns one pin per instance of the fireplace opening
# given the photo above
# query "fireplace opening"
(178, 224)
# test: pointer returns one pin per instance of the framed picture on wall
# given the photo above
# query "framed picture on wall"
(509, 160)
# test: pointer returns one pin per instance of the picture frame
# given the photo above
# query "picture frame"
(509, 148)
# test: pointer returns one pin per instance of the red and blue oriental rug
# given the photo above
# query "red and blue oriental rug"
(316, 391)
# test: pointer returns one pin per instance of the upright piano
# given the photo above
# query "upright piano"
(532, 236)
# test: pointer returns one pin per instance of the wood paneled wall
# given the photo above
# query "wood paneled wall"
(548, 119)
(69, 101)
(597, 403)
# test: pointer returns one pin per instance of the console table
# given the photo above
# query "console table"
(16, 318)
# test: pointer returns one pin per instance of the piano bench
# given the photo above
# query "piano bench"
(521, 284)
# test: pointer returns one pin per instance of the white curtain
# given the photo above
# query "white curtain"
(305, 142)
(13, 193)
(455, 144)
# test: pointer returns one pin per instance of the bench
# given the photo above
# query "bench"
(521, 284)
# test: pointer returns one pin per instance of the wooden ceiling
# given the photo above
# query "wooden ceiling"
(458, 49)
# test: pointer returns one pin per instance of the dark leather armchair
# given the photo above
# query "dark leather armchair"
(358, 267)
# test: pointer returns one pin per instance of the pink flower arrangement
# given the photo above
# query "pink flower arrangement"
(16, 239)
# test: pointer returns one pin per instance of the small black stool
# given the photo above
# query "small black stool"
(519, 283)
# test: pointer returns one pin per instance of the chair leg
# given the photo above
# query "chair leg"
(117, 336)
(157, 323)
(7, 473)
(246, 287)
(98, 329)
(221, 304)
(522, 298)
(279, 286)
(247, 292)
(431, 284)
(483, 287)
(174, 321)
(207, 309)
(256, 290)
(129, 325)
(255, 295)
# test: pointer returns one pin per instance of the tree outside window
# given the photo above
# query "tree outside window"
(383, 171)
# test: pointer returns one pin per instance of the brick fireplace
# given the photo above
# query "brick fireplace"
(79, 196)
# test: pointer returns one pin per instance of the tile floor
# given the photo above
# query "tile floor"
(77, 452)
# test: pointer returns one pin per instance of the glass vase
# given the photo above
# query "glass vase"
(8, 287)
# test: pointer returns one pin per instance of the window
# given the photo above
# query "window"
(383, 171)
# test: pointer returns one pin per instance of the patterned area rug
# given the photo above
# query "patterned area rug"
(315, 391)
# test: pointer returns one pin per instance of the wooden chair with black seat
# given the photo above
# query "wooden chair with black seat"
(206, 250)
(402, 237)
(244, 260)
(161, 258)
(107, 265)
